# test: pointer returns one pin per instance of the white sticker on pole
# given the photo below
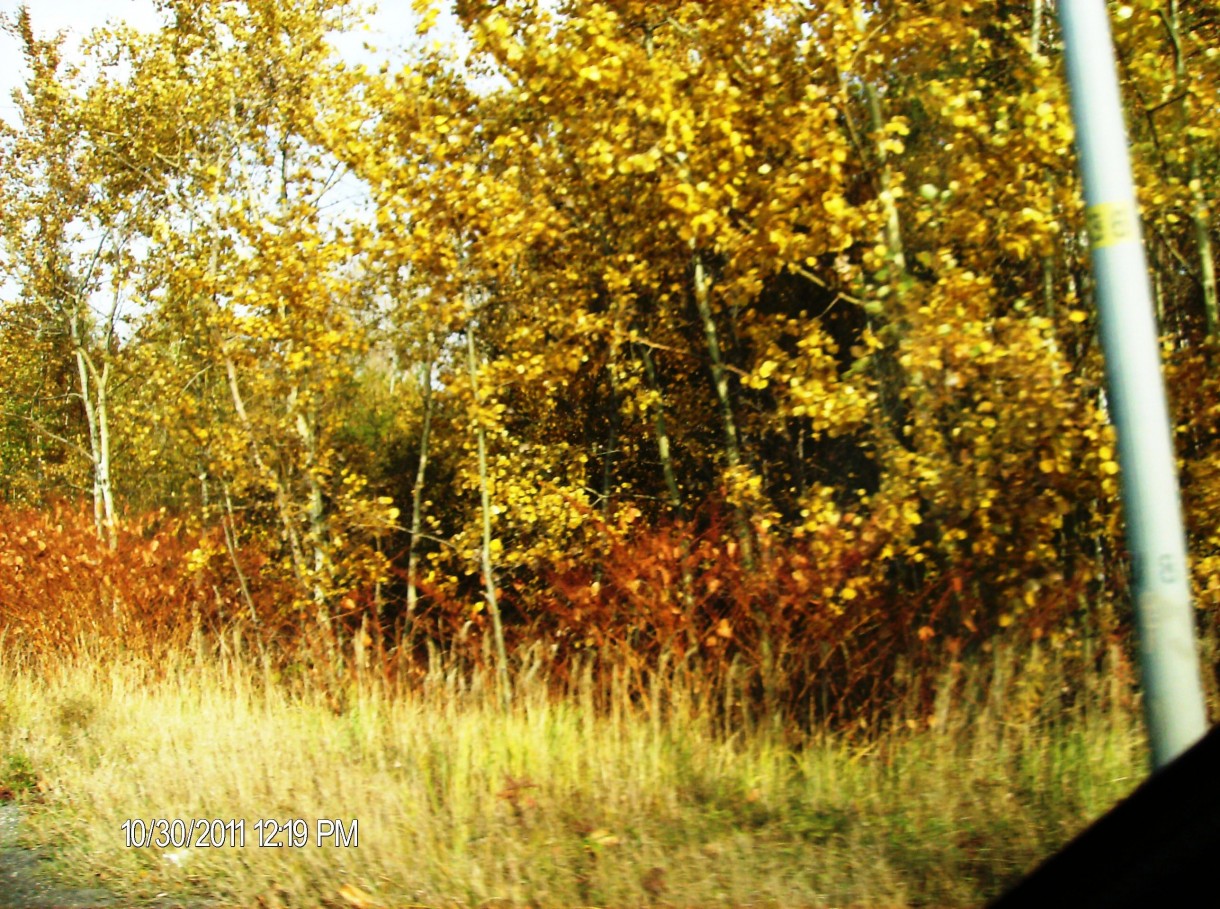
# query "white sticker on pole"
(1112, 223)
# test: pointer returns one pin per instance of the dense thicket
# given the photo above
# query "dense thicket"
(757, 331)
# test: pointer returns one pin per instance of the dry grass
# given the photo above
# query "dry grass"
(650, 801)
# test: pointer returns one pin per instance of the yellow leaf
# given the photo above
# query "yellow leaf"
(498, 25)
(835, 204)
(356, 897)
(602, 837)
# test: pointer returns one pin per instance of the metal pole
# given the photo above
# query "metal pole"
(1173, 693)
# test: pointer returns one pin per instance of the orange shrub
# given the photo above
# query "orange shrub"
(62, 587)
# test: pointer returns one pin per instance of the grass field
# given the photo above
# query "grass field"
(569, 798)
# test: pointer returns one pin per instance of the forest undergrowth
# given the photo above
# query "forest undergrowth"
(674, 776)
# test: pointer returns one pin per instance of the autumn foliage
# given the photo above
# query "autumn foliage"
(63, 588)
(760, 336)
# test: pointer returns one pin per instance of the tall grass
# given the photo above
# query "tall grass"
(581, 796)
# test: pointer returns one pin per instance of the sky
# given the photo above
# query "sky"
(391, 26)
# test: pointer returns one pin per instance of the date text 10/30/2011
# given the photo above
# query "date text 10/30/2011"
(268, 833)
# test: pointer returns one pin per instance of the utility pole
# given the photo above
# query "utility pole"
(1169, 660)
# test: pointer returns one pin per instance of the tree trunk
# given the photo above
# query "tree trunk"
(895, 253)
(1035, 30)
(489, 577)
(92, 385)
(272, 477)
(662, 430)
(720, 378)
(281, 499)
(417, 496)
(1200, 215)
(229, 526)
(671, 485)
(318, 531)
(611, 434)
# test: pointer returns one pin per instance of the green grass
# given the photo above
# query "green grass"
(554, 803)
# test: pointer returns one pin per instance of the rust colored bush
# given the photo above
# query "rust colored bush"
(62, 587)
